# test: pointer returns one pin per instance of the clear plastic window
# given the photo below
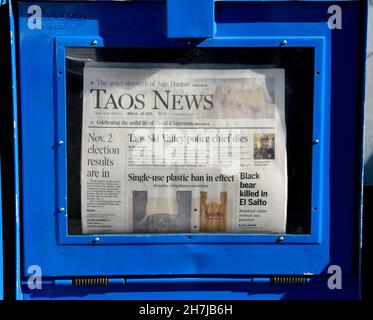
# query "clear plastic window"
(187, 140)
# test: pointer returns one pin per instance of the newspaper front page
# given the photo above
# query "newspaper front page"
(170, 148)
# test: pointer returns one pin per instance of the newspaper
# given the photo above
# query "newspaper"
(170, 148)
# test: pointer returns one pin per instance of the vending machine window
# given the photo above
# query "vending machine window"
(214, 184)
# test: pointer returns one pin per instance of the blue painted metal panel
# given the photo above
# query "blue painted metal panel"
(3, 2)
(332, 239)
(14, 93)
(190, 18)
(11, 161)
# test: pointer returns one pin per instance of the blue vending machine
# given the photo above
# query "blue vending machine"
(3, 20)
(188, 149)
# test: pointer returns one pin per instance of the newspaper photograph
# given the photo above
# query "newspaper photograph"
(172, 148)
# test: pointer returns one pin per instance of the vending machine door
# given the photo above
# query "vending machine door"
(200, 154)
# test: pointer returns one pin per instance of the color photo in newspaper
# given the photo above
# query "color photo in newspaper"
(170, 148)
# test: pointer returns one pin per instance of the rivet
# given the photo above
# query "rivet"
(316, 141)
(61, 210)
(283, 43)
(280, 239)
(60, 142)
(97, 239)
(94, 42)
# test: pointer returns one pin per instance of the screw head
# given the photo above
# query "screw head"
(316, 141)
(94, 42)
(283, 43)
(97, 239)
(60, 142)
(61, 210)
(280, 239)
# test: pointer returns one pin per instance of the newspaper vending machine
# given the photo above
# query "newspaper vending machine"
(190, 149)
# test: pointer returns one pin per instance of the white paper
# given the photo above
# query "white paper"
(169, 148)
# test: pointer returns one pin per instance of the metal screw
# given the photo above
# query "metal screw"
(283, 43)
(97, 239)
(280, 239)
(94, 42)
(316, 141)
(61, 210)
(60, 142)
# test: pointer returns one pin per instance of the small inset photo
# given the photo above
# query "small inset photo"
(264, 146)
